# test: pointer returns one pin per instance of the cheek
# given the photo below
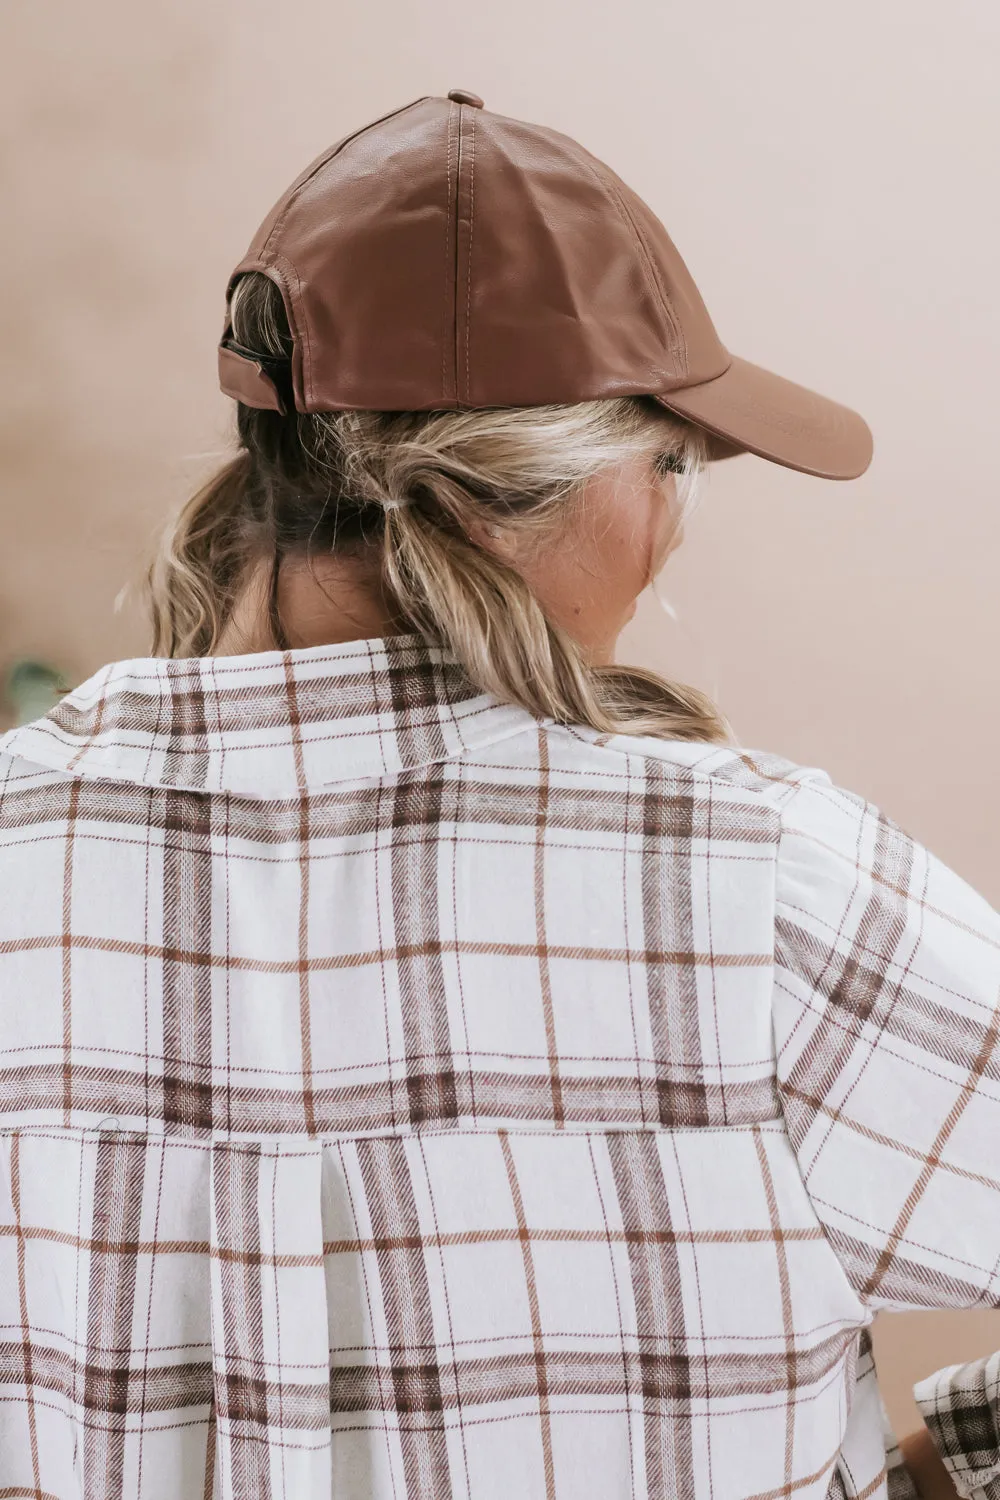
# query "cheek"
(636, 546)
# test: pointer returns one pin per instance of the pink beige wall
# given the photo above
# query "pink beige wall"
(828, 171)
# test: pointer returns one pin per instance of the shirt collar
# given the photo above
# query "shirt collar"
(276, 722)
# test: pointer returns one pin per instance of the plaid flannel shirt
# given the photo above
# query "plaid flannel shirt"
(405, 1096)
(961, 1407)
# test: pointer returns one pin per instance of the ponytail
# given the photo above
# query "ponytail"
(199, 571)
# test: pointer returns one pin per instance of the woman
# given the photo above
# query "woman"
(437, 1061)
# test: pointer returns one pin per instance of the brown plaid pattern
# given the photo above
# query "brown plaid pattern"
(961, 1407)
(405, 1097)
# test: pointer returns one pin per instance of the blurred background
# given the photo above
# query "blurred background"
(829, 174)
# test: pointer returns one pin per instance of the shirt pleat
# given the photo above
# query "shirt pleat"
(270, 1363)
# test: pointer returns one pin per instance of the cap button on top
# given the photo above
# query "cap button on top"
(462, 96)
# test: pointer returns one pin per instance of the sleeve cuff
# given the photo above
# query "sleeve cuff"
(960, 1406)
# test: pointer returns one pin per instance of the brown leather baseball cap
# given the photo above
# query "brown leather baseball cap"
(445, 257)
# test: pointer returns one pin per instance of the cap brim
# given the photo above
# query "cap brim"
(755, 411)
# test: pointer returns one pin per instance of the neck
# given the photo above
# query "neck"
(326, 601)
(322, 601)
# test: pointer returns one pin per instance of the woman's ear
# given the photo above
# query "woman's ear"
(492, 538)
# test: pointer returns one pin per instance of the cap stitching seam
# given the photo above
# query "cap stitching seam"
(299, 326)
(655, 275)
(468, 276)
(652, 271)
(447, 255)
(457, 265)
(334, 151)
(646, 261)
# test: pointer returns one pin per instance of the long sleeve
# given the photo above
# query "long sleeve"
(887, 1029)
(961, 1408)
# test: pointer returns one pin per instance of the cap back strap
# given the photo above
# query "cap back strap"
(246, 380)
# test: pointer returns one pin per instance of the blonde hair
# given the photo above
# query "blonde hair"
(410, 484)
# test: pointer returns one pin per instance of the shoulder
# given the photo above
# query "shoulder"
(29, 792)
(819, 822)
(729, 791)
(832, 845)
(35, 811)
(843, 865)
(852, 881)
(20, 773)
(750, 775)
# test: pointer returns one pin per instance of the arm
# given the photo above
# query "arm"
(959, 1449)
(923, 1463)
(888, 1046)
